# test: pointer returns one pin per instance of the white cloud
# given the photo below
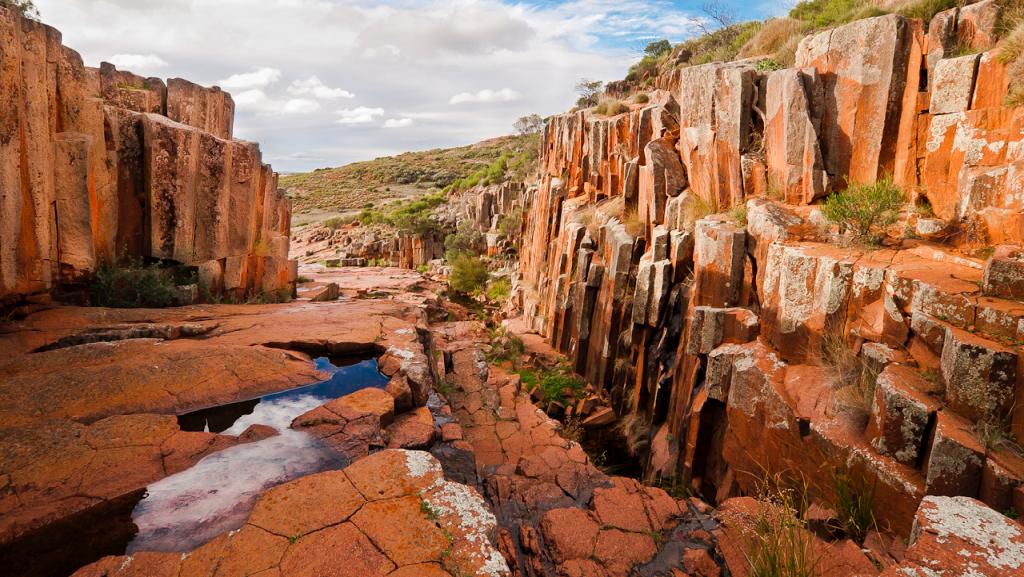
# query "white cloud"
(138, 62)
(398, 123)
(359, 115)
(314, 87)
(259, 102)
(486, 96)
(260, 78)
(301, 106)
(250, 98)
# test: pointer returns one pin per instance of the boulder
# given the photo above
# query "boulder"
(1004, 274)
(954, 462)
(952, 81)
(796, 169)
(900, 414)
(980, 375)
(961, 536)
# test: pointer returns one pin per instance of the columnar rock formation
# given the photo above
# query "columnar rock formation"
(713, 334)
(97, 164)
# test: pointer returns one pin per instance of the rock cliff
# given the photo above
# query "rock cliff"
(97, 164)
(673, 252)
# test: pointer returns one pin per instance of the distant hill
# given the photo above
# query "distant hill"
(410, 174)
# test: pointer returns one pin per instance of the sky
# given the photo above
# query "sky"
(326, 82)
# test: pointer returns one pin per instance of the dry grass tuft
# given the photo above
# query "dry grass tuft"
(854, 382)
(777, 36)
(634, 223)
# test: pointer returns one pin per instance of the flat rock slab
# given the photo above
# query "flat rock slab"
(238, 358)
(55, 468)
(390, 514)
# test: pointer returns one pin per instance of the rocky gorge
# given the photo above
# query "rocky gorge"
(845, 408)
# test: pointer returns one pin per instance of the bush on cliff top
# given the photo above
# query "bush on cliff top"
(827, 13)
(865, 210)
(27, 8)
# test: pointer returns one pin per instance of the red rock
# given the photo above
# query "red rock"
(569, 534)
(412, 430)
(1004, 274)
(980, 375)
(962, 536)
(602, 417)
(420, 570)
(901, 412)
(863, 66)
(402, 529)
(618, 508)
(619, 551)
(341, 551)
(719, 254)
(307, 504)
(795, 163)
(257, 432)
(369, 401)
(955, 460)
(698, 563)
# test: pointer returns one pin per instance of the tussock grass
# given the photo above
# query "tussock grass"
(633, 222)
(854, 504)
(854, 381)
(611, 107)
(779, 544)
(777, 38)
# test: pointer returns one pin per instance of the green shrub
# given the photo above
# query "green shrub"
(130, 284)
(510, 224)
(556, 383)
(505, 346)
(336, 222)
(494, 173)
(865, 209)
(412, 216)
(465, 241)
(499, 289)
(468, 276)
(768, 65)
(642, 98)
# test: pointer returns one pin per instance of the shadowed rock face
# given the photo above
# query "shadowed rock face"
(100, 163)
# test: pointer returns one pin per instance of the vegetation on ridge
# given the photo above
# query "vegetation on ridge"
(407, 175)
(26, 7)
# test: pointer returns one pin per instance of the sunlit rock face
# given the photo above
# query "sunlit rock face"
(675, 253)
(99, 163)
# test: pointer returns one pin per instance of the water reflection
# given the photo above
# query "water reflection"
(216, 495)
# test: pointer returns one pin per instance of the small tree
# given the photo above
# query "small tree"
(469, 275)
(657, 48)
(26, 7)
(527, 125)
(589, 90)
